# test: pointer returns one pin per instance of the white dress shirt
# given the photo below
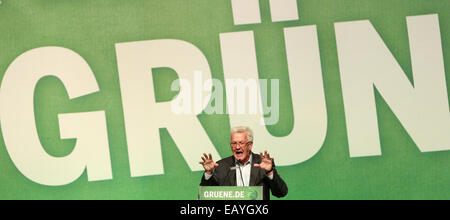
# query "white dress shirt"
(246, 170)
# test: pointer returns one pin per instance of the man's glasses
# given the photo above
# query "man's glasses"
(240, 144)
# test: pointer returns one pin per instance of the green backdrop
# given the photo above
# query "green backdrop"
(93, 27)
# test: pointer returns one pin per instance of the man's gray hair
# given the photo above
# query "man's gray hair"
(243, 129)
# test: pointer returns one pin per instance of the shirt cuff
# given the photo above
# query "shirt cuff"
(270, 177)
(207, 176)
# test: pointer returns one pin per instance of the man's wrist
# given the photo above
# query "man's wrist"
(208, 176)
(270, 175)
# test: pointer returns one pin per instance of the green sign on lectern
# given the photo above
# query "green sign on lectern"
(230, 193)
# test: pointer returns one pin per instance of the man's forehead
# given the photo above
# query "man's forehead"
(239, 135)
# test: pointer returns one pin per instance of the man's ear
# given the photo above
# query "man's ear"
(250, 146)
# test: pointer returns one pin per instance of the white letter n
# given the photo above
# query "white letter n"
(366, 62)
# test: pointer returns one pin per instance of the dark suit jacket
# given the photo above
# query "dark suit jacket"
(225, 176)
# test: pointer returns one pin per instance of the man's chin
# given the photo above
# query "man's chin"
(239, 157)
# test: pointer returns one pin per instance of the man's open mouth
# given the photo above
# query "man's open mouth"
(239, 152)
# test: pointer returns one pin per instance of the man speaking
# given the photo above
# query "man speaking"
(244, 168)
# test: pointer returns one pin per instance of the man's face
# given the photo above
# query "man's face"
(240, 146)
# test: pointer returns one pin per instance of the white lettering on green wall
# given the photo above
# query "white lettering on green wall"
(366, 63)
(17, 120)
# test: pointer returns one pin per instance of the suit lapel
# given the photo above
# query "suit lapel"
(232, 177)
(254, 170)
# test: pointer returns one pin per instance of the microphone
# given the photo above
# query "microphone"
(236, 165)
(240, 171)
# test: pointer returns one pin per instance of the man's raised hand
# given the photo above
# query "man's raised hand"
(208, 163)
(266, 163)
